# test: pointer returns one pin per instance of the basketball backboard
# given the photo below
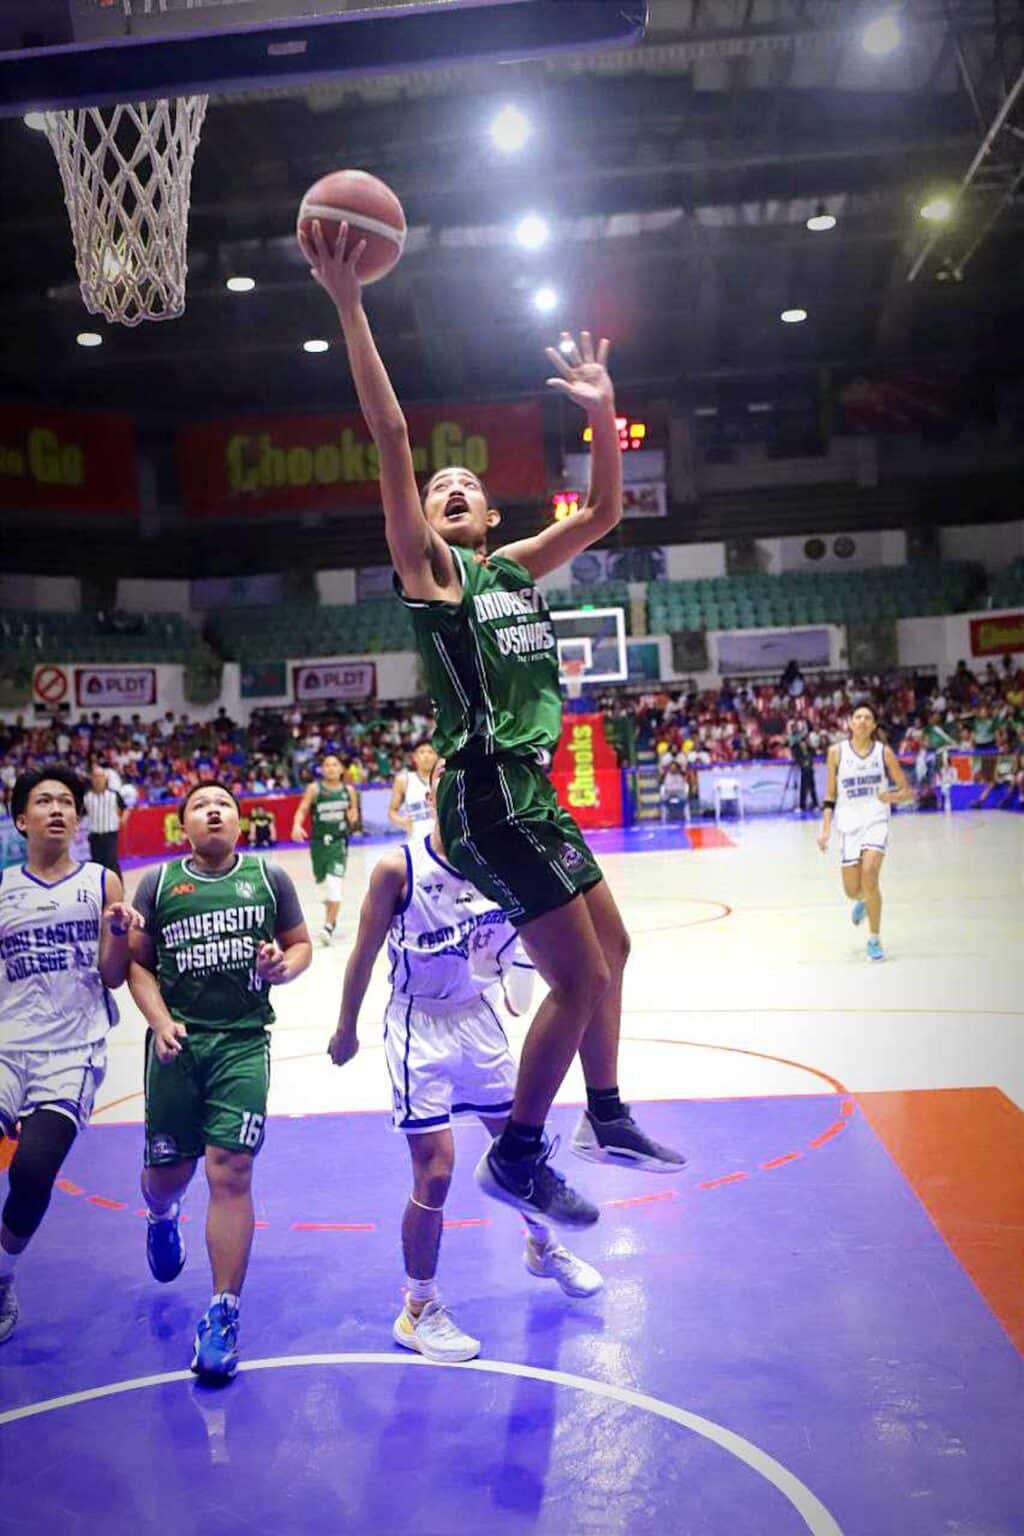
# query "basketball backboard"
(593, 642)
(59, 53)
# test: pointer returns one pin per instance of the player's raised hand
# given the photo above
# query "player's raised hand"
(335, 270)
(582, 375)
(120, 918)
(342, 1046)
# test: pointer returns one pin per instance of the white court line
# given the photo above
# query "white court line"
(810, 1509)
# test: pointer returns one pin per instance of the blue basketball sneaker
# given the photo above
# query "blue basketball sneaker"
(875, 948)
(215, 1352)
(857, 913)
(165, 1246)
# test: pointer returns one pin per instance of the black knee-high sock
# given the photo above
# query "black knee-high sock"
(604, 1103)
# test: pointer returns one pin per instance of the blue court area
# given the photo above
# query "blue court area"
(784, 1344)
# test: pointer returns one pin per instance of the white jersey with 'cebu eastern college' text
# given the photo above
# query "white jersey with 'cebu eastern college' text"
(51, 994)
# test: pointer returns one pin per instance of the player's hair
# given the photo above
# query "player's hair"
(422, 741)
(25, 783)
(206, 784)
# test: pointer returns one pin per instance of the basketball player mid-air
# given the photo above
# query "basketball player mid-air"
(488, 650)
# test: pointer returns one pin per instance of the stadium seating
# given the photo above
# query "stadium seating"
(90, 637)
(752, 600)
(1008, 587)
(310, 629)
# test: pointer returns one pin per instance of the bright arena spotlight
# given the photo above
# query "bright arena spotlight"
(511, 768)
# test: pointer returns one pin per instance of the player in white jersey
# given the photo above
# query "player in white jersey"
(411, 809)
(861, 773)
(63, 945)
(447, 1056)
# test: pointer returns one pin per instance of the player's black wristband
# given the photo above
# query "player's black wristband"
(828, 805)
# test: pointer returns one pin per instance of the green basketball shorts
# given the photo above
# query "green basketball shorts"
(329, 858)
(504, 830)
(213, 1095)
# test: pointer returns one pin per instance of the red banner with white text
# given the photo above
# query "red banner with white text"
(263, 465)
(586, 773)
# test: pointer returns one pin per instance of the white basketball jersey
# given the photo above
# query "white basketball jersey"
(859, 782)
(51, 995)
(448, 944)
(416, 805)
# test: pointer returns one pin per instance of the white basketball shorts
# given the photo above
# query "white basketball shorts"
(875, 835)
(442, 1065)
(65, 1081)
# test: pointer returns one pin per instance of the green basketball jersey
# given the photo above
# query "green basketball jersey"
(330, 815)
(491, 663)
(208, 930)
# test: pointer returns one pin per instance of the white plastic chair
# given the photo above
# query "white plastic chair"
(727, 790)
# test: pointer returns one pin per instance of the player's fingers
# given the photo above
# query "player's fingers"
(306, 248)
(357, 251)
(318, 242)
(555, 357)
(603, 348)
(586, 347)
(561, 385)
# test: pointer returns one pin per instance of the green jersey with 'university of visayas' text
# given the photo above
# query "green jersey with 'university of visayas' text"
(207, 930)
(491, 663)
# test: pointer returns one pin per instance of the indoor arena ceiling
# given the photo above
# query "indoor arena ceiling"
(677, 179)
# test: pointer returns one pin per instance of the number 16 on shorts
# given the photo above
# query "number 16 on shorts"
(251, 1132)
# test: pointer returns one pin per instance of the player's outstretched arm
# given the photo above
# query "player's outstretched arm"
(831, 784)
(403, 823)
(902, 794)
(583, 377)
(301, 812)
(424, 563)
(119, 919)
(385, 895)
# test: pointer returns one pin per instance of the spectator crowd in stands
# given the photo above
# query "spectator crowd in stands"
(278, 749)
(741, 722)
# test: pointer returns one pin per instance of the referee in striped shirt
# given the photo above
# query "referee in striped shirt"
(104, 808)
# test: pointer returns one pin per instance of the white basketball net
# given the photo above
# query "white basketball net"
(127, 171)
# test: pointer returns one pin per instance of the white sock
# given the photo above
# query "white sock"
(171, 1212)
(7, 1262)
(228, 1298)
(421, 1290)
(538, 1234)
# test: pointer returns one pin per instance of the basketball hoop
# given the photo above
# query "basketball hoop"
(573, 672)
(126, 172)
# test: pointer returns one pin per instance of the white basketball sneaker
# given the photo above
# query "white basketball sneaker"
(434, 1334)
(574, 1275)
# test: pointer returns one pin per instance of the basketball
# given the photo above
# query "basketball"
(372, 211)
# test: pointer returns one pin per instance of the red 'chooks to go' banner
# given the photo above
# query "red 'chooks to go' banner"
(586, 773)
(261, 465)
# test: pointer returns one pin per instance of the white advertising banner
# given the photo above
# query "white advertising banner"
(325, 680)
(114, 687)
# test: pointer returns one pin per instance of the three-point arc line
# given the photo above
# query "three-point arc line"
(847, 1110)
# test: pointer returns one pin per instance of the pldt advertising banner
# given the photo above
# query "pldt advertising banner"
(263, 465)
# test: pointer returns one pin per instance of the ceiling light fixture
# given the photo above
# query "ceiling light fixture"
(510, 130)
(882, 35)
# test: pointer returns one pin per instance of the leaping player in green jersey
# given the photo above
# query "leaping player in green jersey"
(334, 808)
(489, 654)
(222, 928)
